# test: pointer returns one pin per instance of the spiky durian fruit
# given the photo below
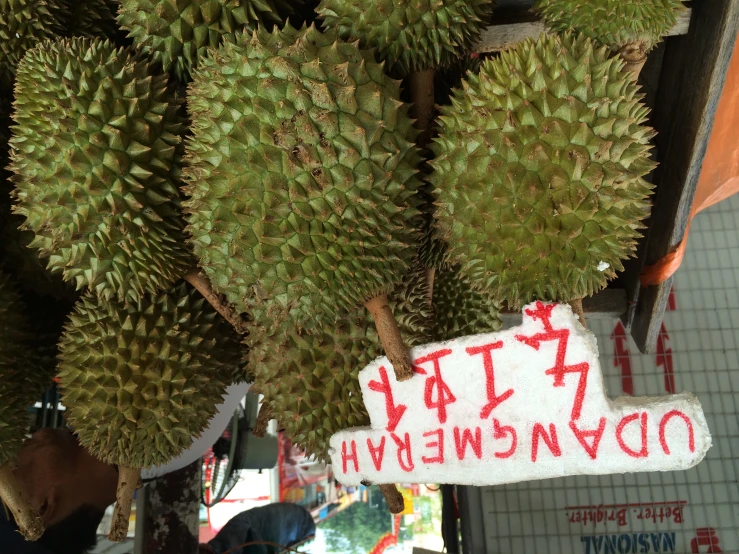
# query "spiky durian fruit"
(96, 166)
(141, 380)
(92, 18)
(18, 389)
(539, 171)
(614, 24)
(409, 36)
(301, 174)
(459, 309)
(309, 377)
(178, 32)
(24, 24)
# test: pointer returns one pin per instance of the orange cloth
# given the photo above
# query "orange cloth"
(719, 176)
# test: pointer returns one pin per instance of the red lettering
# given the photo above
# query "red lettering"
(404, 446)
(345, 458)
(596, 435)
(487, 361)
(444, 394)
(662, 424)
(461, 442)
(562, 336)
(394, 413)
(500, 432)
(551, 442)
(377, 453)
(619, 432)
(438, 444)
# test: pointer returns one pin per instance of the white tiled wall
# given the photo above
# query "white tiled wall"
(700, 344)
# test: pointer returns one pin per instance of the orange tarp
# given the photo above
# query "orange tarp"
(719, 176)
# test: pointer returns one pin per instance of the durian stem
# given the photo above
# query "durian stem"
(129, 479)
(635, 56)
(196, 278)
(28, 520)
(421, 85)
(260, 426)
(393, 498)
(392, 341)
(576, 306)
(430, 275)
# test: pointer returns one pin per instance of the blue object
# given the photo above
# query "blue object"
(282, 523)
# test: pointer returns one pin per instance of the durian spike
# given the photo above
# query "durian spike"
(201, 283)
(394, 499)
(263, 418)
(576, 306)
(12, 495)
(421, 85)
(392, 341)
(635, 55)
(430, 276)
(129, 479)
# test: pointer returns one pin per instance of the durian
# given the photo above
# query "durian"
(141, 380)
(410, 36)
(629, 27)
(309, 378)
(301, 176)
(92, 18)
(539, 171)
(96, 166)
(18, 389)
(459, 309)
(23, 25)
(178, 32)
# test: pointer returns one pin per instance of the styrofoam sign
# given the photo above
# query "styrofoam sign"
(522, 404)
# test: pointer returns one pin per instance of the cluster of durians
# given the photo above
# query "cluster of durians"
(223, 195)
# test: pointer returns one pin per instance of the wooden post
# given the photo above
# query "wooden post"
(171, 514)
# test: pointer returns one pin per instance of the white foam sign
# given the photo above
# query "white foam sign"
(522, 404)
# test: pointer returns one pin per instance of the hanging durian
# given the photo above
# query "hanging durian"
(301, 173)
(18, 389)
(178, 32)
(630, 28)
(96, 166)
(539, 171)
(23, 25)
(140, 381)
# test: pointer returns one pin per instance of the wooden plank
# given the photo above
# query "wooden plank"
(500, 37)
(693, 74)
(607, 304)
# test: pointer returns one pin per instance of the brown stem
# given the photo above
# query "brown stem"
(260, 426)
(635, 55)
(576, 306)
(421, 85)
(196, 278)
(129, 479)
(430, 275)
(392, 341)
(393, 498)
(12, 494)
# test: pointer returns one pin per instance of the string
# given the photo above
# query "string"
(269, 543)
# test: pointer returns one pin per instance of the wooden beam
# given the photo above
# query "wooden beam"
(692, 79)
(500, 37)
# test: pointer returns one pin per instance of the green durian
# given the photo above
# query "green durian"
(459, 309)
(310, 378)
(410, 36)
(301, 176)
(23, 25)
(539, 171)
(92, 18)
(141, 380)
(96, 162)
(613, 23)
(178, 32)
(18, 389)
